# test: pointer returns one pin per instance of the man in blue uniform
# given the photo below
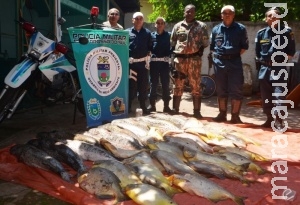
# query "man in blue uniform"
(188, 40)
(269, 42)
(140, 46)
(228, 41)
(159, 65)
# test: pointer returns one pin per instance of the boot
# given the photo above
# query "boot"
(267, 123)
(235, 111)
(197, 106)
(278, 124)
(176, 104)
(151, 107)
(143, 107)
(166, 106)
(222, 116)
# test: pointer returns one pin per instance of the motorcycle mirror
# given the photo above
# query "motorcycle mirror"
(83, 40)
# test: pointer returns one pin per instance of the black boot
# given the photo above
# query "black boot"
(267, 123)
(143, 107)
(166, 106)
(197, 107)
(151, 107)
(222, 116)
(235, 111)
(176, 104)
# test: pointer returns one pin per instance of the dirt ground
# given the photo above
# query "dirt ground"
(26, 124)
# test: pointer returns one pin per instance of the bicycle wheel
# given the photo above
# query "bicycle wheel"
(208, 86)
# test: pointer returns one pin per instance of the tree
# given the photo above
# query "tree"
(246, 10)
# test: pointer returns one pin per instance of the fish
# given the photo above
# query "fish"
(123, 172)
(196, 139)
(170, 147)
(239, 142)
(162, 125)
(203, 187)
(178, 120)
(34, 157)
(218, 141)
(119, 153)
(183, 143)
(61, 152)
(193, 155)
(87, 139)
(103, 183)
(241, 160)
(246, 153)
(192, 122)
(88, 151)
(172, 165)
(144, 158)
(207, 169)
(147, 194)
(151, 174)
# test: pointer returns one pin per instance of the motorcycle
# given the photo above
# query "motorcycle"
(48, 67)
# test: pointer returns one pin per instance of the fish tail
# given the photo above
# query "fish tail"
(239, 200)
(170, 191)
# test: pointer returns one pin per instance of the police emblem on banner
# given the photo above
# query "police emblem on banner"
(103, 67)
(117, 106)
(94, 109)
(103, 70)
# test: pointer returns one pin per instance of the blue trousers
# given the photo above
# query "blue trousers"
(159, 71)
(229, 78)
(138, 81)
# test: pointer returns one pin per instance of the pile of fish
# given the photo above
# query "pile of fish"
(148, 159)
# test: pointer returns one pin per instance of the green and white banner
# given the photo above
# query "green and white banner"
(102, 64)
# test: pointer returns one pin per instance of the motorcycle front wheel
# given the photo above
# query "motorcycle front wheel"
(8, 100)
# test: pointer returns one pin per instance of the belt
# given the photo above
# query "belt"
(226, 57)
(164, 59)
(187, 55)
(134, 60)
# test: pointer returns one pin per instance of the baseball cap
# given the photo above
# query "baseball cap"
(136, 14)
(160, 18)
(228, 7)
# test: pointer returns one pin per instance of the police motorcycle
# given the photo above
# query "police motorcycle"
(48, 67)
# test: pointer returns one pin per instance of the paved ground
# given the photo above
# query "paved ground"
(24, 126)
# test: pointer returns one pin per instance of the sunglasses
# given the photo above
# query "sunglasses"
(138, 18)
(114, 14)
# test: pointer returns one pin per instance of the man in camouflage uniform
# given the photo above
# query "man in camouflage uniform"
(188, 40)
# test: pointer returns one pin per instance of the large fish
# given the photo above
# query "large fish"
(125, 174)
(241, 160)
(183, 142)
(178, 120)
(35, 157)
(103, 183)
(151, 174)
(86, 138)
(162, 125)
(88, 151)
(193, 155)
(172, 165)
(146, 194)
(195, 137)
(61, 152)
(144, 158)
(120, 153)
(246, 153)
(207, 169)
(201, 186)
(170, 147)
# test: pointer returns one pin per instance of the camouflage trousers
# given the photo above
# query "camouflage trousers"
(191, 67)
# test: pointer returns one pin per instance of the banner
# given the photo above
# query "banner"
(102, 64)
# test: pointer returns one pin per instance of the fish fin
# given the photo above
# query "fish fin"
(239, 200)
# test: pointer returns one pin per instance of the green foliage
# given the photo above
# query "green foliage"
(246, 10)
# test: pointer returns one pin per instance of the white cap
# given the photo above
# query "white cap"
(136, 14)
(228, 7)
(160, 18)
